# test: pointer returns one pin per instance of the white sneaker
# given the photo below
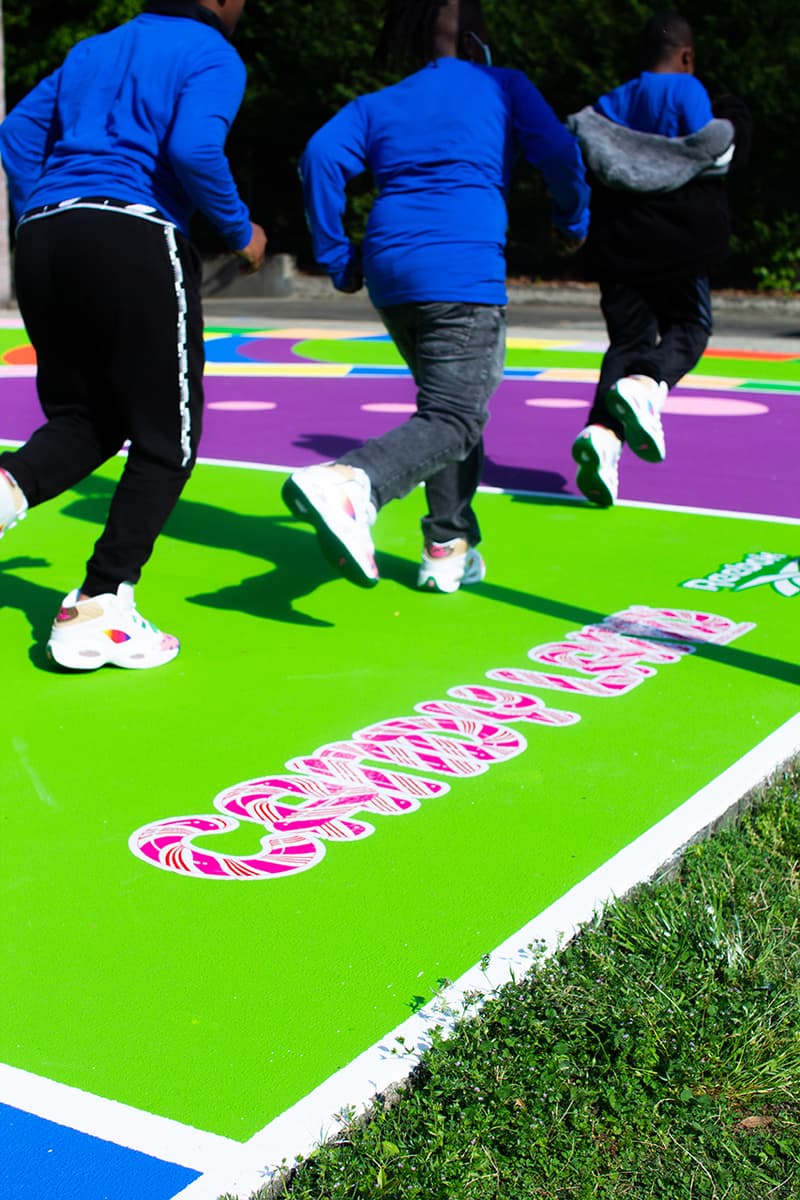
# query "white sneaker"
(342, 512)
(13, 505)
(107, 629)
(637, 401)
(446, 565)
(596, 450)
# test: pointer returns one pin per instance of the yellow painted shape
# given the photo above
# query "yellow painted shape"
(529, 343)
(711, 383)
(281, 370)
(307, 333)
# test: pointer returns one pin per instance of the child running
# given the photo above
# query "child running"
(106, 160)
(440, 145)
(657, 157)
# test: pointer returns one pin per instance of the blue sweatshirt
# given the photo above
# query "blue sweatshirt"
(441, 146)
(139, 114)
(672, 104)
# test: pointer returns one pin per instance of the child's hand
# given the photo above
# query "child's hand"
(353, 279)
(353, 283)
(565, 243)
(252, 255)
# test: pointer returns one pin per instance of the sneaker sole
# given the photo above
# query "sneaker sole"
(72, 660)
(473, 574)
(12, 521)
(640, 441)
(588, 477)
(333, 548)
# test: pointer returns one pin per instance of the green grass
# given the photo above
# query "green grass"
(656, 1055)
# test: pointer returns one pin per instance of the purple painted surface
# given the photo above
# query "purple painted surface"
(743, 463)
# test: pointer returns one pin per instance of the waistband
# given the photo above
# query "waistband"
(146, 211)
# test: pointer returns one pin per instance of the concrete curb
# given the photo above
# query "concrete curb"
(280, 278)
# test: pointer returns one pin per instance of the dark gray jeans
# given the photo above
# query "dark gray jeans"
(456, 354)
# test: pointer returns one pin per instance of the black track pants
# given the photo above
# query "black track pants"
(111, 303)
(658, 328)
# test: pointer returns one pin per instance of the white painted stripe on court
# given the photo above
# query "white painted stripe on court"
(114, 1122)
(313, 1119)
(487, 489)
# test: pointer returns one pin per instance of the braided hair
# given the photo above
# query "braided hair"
(408, 36)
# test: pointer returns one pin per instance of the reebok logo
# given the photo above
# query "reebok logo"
(760, 568)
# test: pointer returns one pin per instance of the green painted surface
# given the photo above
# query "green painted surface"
(379, 352)
(220, 1003)
(11, 338)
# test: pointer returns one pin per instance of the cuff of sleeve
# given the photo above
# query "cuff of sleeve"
(239, 237)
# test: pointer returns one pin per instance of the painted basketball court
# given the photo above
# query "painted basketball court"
(232, 886)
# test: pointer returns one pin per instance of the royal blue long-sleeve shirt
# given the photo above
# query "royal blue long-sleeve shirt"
(441, 147)
(140, 114)
(674, 104)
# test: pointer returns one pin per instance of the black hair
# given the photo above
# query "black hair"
(407, 39)
(664, 33)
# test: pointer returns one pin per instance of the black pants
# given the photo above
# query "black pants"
(111, 303)
(658, 328)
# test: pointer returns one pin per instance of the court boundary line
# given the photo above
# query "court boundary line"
(566, 497)
(112, 1120)
(490, 489)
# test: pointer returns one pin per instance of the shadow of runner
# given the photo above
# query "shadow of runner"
(495, 474)
(39, 604)
(730, 656)
(299, 568)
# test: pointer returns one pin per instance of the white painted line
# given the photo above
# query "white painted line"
(566, 498)
(298, 1131)
(708, 512)
(113, 1122)
(487, 489)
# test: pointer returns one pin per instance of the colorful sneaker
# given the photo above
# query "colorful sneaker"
(13, 505)
(107, 629)
(446, 565)
(596, 450)
(637, 401)
(342, 512)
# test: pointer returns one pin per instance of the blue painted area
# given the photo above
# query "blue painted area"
(225, 349)
(40, 1160)
(379, 371)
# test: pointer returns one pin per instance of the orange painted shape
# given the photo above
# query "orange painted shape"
(19, 356)
(755, 355)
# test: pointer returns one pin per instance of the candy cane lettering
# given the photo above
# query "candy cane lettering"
(324, 815)
(168, 844)
(651, 652)
(607, 683)
(596, 649)
(300, 812)
(393, 792)
(640, 620)
(503, 705)
(494, 742)
(582, 658)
